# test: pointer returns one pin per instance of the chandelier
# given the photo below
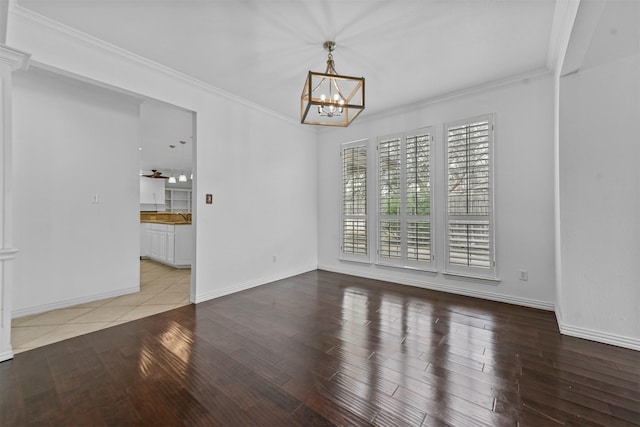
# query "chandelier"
(330, 99)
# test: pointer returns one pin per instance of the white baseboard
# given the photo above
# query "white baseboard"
(28, 311)
(6, 354)
(479, 293)
(599, 336)
(252, 284)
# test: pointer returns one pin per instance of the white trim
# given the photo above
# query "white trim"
(6, 354)
(252, 284)
(19, 12)
(517, 79)
(580, 35)
(491, 296)
(14, 58)
(564, 16)
(73, 301)
(37, 65)
(558, 314)
(8, 254)
(473, 277)
(599, 336)
(430, 269)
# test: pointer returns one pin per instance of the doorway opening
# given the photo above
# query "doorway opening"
(84, 165)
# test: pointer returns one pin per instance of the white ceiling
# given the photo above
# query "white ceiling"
(162, 125)
(261, 50)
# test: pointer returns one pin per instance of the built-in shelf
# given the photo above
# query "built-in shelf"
(177, 200)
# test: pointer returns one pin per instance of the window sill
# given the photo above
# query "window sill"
(426, 269)
(361, 260)
(472, 277)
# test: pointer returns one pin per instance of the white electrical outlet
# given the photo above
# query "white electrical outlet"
(524, 275)
(274, 258)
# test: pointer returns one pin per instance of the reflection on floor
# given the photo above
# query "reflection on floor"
(162, 288)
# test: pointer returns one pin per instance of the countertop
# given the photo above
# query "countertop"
(156, 221)
(170, 218)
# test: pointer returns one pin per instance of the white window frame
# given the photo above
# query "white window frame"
(344, 254)
(403, 217)
(489, 272)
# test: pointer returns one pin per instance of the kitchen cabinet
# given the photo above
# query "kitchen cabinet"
(159, 242)
(145, 240)
(172, 244)
(152, 191)
(183, 245)
(171, 248)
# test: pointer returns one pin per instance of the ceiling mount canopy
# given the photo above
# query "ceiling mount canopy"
(330, 99)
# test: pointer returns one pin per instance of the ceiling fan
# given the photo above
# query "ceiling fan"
(156, 174)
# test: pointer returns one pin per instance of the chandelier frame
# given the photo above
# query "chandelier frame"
(343, 104)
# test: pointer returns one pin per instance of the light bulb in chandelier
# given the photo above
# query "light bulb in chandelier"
(333, 107)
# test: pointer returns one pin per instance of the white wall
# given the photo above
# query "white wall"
(264, 185)
(524, 190)
(71, 142)
(260, 169)
(600, 202)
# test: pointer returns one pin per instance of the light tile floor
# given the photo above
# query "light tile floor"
(162, 288)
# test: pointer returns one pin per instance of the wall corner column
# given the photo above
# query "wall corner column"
(10, 60)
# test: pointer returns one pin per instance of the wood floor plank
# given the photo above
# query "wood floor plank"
(326, 349)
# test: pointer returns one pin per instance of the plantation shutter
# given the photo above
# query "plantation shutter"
(418, 197)
(354, 229)
(404, 199)
(469, 196)
(389, 170)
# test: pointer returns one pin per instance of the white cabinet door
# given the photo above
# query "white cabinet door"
(184, 244)
(159, 245)
(159, 242)
(171, 244)
(170, 252)
(145, 239)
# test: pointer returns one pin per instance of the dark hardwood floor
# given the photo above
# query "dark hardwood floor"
(324, 349)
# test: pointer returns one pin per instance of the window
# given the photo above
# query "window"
(469, 234)
(354, 231)
(404, 199)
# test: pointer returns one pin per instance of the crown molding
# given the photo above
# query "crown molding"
(528, 76)
(20, 14)
(14, 58)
